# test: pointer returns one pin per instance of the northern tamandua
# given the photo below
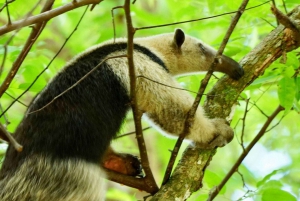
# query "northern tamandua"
(64, 142)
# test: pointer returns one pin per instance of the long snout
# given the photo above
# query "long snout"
(230, 67)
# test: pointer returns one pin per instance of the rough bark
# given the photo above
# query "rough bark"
(188, 174)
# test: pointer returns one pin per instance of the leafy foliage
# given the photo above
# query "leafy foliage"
(271, 171)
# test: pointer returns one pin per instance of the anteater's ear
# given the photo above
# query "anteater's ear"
(178, 38)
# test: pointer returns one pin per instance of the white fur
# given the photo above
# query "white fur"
(40, 178)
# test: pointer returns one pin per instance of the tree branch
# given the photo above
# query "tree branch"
(45, 16)
(137, 114)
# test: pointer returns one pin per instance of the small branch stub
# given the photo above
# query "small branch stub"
(292, 31)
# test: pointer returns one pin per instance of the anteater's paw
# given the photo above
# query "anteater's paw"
(123, 163)
(221, 135)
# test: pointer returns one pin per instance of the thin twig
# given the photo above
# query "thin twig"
(234, 168)
(243, 179)
(113, 20)
(244, 123)
(285, 20)
(269, 23)
(6, 4)
(284, 6)
(274, 3)
(131, 133)
(8, 15)
(195, 20)
(257, 107)
(5, 52)
(137, 114)
(11, 140)
(275, 125)
(204, 82)
(16, 100)
(182, 89)
(7, 122)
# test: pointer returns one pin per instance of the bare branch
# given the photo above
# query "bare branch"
(7, 136)
(182, 89)
(131, 133)
(195, 20)
(284, 19)
(6, 4)
(244, 124)
(45, 16)
(16, 99)
(285, 9)
(137, 114)
(113, 20)
(8, 15)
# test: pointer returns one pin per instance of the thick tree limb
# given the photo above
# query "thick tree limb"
(227, 90)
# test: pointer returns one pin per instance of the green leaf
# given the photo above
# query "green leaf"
(243, 96)
(272, 194)
(292, 60)
(263, 80)
(288, 71)
(37, 87)
(297, 82)
(211, 5)
(212, 179)
(267, 178)
(286, 92)
(10, 49)
(272, 184)
(115, 194)
(296, 106)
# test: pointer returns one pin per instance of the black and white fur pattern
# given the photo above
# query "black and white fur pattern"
(65, 142)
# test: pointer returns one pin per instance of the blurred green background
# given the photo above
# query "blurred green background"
(272, 168)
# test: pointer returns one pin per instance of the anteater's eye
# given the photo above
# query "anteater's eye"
(202, 48)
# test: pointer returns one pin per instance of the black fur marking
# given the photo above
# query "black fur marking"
(151, 56)
(81, 123)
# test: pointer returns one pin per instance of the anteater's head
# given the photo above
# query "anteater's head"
(185, 54)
